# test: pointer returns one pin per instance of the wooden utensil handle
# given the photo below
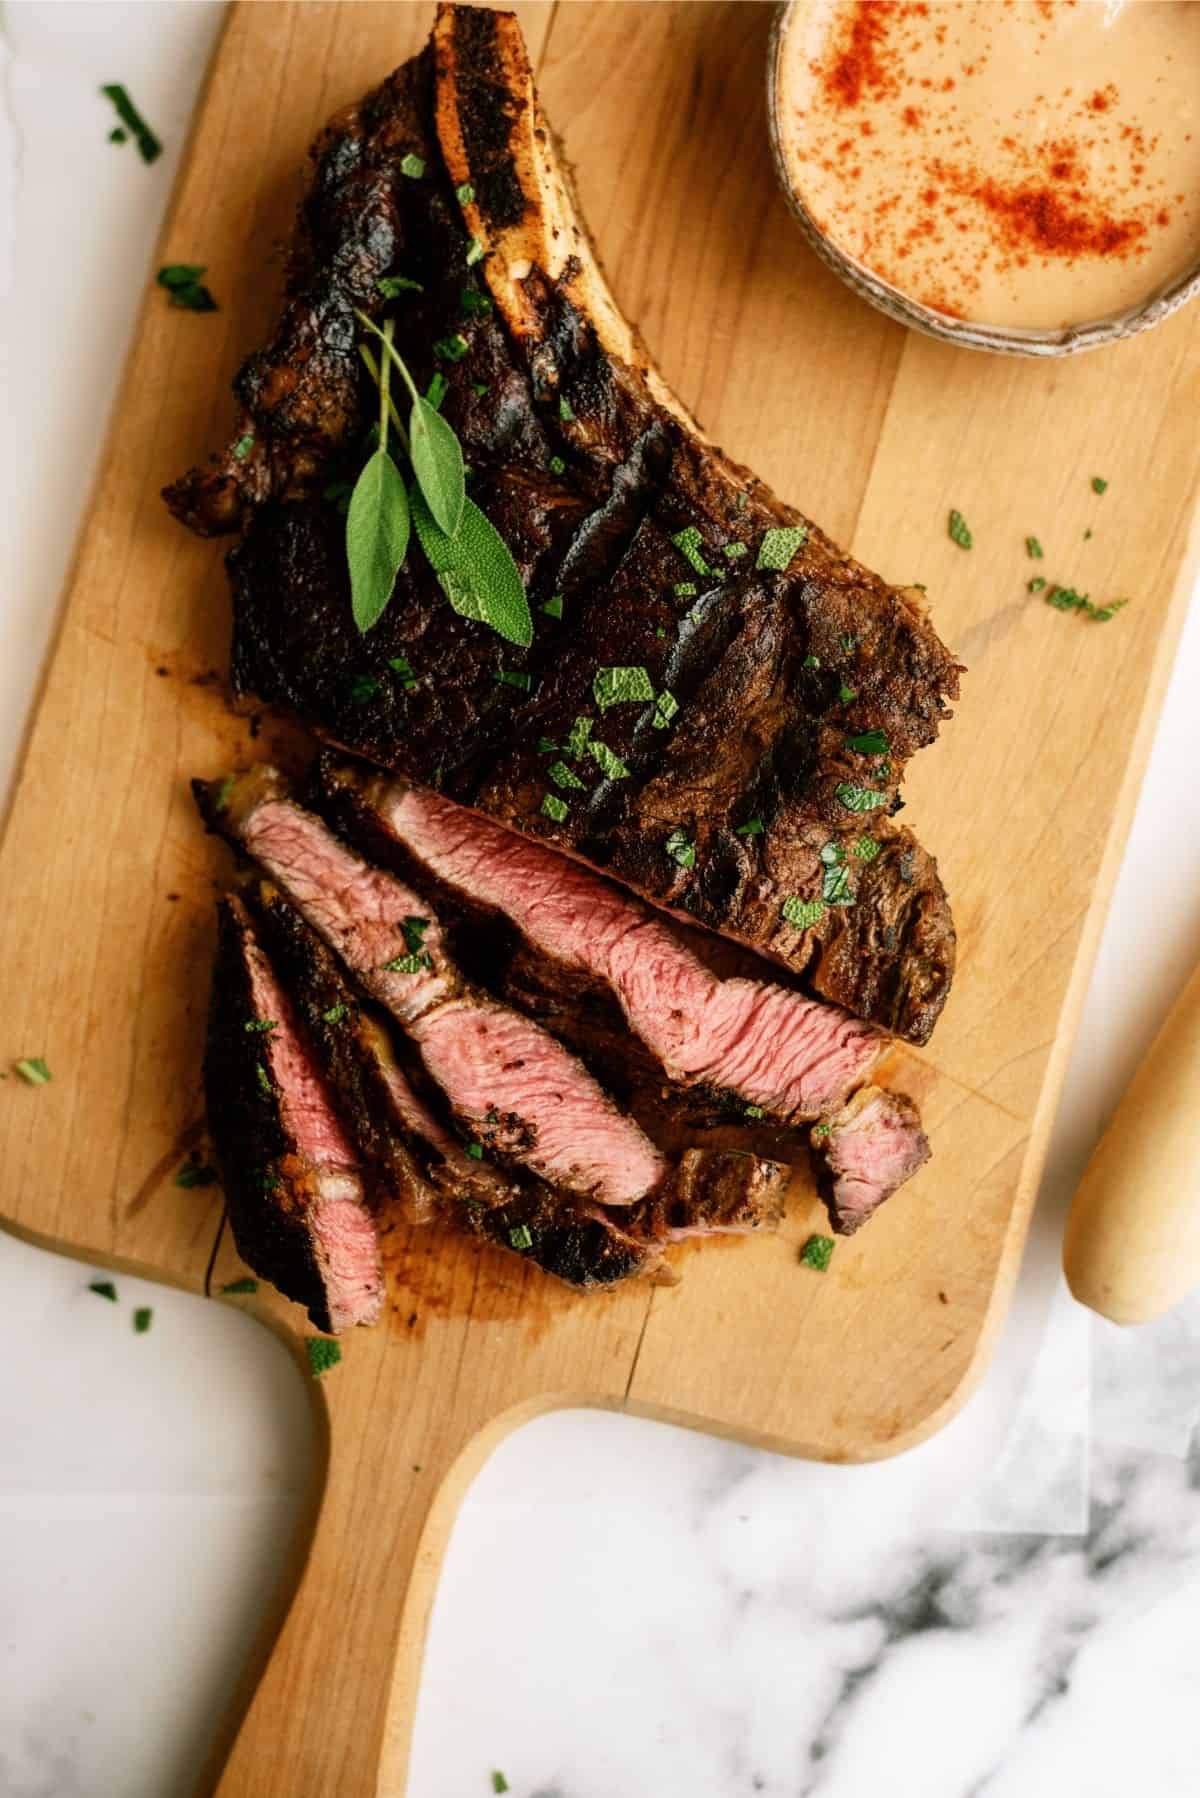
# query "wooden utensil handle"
(1132, 1246)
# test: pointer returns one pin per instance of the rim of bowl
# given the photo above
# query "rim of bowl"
(1010, 340)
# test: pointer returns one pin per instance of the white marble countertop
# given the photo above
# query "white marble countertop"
(1011, 1611)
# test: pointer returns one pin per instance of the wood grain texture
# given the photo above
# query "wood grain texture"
(107, 927)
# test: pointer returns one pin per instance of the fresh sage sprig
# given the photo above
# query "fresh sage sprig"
(378, 521)
(471, 560)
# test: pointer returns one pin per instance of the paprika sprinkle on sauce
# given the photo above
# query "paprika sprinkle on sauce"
(1028, 163)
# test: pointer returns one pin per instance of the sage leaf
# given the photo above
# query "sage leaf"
(377, 532)
(437, 461)
(475, 570)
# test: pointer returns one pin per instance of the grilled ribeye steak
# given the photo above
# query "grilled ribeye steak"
(292, 1179)
(865, 1152)
(802, 690)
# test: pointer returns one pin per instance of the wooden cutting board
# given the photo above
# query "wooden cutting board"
(106, 929)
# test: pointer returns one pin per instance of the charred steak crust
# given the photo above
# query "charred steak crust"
(590, 470)
(270, 1187)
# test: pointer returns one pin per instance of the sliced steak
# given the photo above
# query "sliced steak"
(791, 685)
(717, 1193)
(510, 1084)
(865, 1153)
(291, 1177)
(790, 1056)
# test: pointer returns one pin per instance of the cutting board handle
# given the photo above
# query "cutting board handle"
(333, 1708)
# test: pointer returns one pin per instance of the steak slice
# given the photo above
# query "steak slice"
(291, 1177)
(509, 1083)
(865, 1153)
(789, 1056)
(799, 683)
(718, 1193)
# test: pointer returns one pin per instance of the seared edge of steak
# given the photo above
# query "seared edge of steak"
(290, 1177)
(865, 1153)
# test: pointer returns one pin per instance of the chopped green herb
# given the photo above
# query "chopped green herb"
(437, 389)
(33, 1070)
(685, 589)
(754, 1111)
(817, 1253)
(690, 544)
(860, 799)
(196, 1173)
(680, 850)
(260, 1026)
(475, 304)
(547, 746)
(452, 348)
(520, 678)
(363, 689)
(118, 136)
(803, 913)
(264, 1080)
(865, 849)
(562, 776)
(412, 165)
(402, 668)
(831, 854)
(753, 827)
(479, 388)
(474, 252)
(659, 631)
(734, 552)
(621, 686)
(1033, 548)
(565, 410)
(104, 1289)
(1037, 583)
(184, 286)
(267, 1179)
(819, 1132)
(666, 707)
(149, 146)
(520, 1237)
(322, 1352)
(413, 931)
(499, 1783)
(1099, 485)
(143, 1317)
(392, 286)
(577, 737)
(847, 694)
(475, 1151)
(553, 607)
(779, 545)
(811, 662)
(555, 808)
(610, 765)
(742, 501)
(335, 1014)
(1065, 599)
(849, 644)
(245, 1284)
(1087, 533)
(868, 742)
(464, 194)
(243, 446)
(836, 888)
(960, 531)
(556, 465)
(413, 963)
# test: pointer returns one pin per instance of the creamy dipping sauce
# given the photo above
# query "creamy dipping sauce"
(1031, 163)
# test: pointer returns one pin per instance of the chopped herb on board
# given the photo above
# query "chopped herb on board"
(621, 686)
(960, 531)
(243, 446)
(1099, 485)
(149, 146)
(817, 1252)
(104, 1289)
(143, 1317)
(555, 809)
(859, 799)
(1037, 583)
(1033, 548)
(323, 1354)
(610, 765)
(245, 1284)
(665, 709)
(33, 1070)
(577, 737)
(564, 777)
(499, 1783)
(184, 286)
(689, 543)
(1065, 599)
(553, 607)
